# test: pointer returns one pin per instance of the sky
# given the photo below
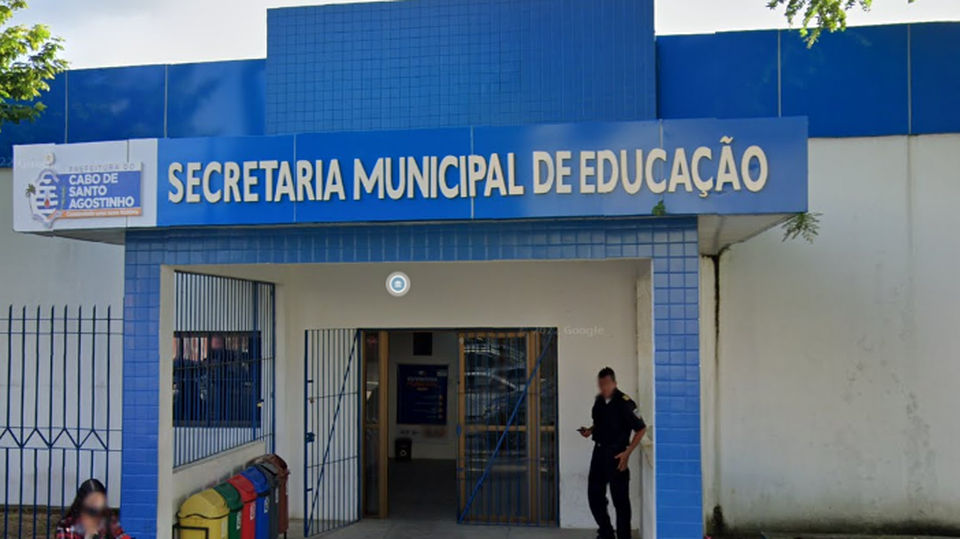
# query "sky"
(101, 33)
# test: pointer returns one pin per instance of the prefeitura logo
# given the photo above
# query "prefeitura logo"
(44, 197)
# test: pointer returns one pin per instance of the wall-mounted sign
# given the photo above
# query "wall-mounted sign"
(422, 395)
(78, 192)
(682, 167)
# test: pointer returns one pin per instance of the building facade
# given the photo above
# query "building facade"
(844, 338)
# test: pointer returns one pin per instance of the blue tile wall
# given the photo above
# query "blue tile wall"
(447, 63)
(935, 70)
(216, 99)
(671, 242)
(118, 103)
(728, 75)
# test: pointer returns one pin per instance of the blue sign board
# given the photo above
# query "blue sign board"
(85, 192)
(422, 395)
(683, 167)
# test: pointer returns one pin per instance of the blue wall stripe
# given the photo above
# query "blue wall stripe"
(51, 126)
(217, 99)
(935, 70)
(724, 75)
(698, 78)
(115, 104)
(852, 83)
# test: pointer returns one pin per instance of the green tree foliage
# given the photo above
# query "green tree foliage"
(802, 225)
(815, 16)
(29, 57)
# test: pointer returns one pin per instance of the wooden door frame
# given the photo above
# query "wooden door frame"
(383, 421)
(532, 428)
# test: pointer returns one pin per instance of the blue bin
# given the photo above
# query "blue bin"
(264, 492)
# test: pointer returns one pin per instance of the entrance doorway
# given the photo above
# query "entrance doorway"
(460, 425)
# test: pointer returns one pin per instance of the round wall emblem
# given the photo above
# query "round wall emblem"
(398, 284)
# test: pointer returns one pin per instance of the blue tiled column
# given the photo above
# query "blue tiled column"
(676, 342)
(141, 392)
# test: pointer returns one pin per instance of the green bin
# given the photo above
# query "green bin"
(235, 504)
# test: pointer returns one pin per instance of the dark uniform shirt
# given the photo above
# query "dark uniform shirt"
(614, 421)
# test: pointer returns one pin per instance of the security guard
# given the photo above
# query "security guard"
(615, 416)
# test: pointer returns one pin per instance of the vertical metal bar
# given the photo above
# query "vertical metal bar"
(9, 381)
(256, 326)
(50, 394)
(306, 432)
(107, 393)
(23, 376)
(6, 467)
(65, 427)
(93, 386)
(79, 391)
(360, 422)
(193, 368)
(345, 516)
(36, 411)
(461, 424)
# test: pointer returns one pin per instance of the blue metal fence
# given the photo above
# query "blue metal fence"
(331, 469)
(60, 424)
(223, 365)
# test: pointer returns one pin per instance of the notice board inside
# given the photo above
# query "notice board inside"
(422, 395)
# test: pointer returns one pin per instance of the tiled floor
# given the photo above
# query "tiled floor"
(423, 501)
(411, 529)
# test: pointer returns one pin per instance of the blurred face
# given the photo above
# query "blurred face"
(607, 386)
(93, 511)
(216, 342)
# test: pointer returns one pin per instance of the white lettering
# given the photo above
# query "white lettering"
(176, 195)
(542, 186)
(193, 181)
(655, 187)
(754, 185)
(212, 196)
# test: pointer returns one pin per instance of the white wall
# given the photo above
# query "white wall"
(848, 346)
(45, 272)
(571, 296)
(38, 270)
(446, 351)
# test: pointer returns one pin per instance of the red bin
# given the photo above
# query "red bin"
(248, 494)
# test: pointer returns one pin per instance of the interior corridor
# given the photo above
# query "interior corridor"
(423, 490)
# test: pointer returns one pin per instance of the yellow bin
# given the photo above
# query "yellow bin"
(204, 516)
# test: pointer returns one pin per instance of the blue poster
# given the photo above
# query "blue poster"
(422, 395)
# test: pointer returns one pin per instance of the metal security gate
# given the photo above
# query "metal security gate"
(61, 411)
(507, 465)
(223, 365)
(332, 467)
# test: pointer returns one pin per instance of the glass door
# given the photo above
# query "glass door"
(507, 414)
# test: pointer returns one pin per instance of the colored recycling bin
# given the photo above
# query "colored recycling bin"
(235, 504)
(204, 516)
(264, 493)
(248, 495)
(283, 474)
(272, 474)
